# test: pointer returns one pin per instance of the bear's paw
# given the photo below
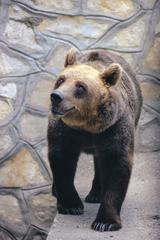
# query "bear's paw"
(70, 211)
(101, 227)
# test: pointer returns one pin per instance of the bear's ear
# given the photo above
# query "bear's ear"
(70, 57)
(112, 74)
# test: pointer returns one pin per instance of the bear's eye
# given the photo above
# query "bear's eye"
(59, 82)
(80, 91)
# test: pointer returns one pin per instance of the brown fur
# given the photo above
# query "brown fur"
(97, 82)
(96, 105)
(77, 73)
(126, 89)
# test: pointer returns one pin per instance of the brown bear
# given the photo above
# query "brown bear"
(95, 107)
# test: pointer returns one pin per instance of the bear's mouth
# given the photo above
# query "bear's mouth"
(55, 111)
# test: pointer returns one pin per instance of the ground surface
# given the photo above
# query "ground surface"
(140, 212)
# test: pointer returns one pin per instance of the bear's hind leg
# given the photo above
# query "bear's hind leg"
(63, 164)
(94, 194)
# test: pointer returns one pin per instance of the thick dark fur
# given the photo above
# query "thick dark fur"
(112, 150)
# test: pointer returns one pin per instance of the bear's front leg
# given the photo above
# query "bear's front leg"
(63, 163)
(115, 170)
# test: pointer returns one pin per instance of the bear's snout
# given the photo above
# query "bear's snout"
(56, 98)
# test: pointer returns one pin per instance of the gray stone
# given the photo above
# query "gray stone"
(8, 90)
(10, 209)
(147, 4)
(10, 215)
(146, 117)
(127, 37)
(11, 174)
(42, 149)
(157, 28)
(40, 96)
(17, 13)
(152, 60)
(43, 210)
(5, 143)
(84, 30)
(149, 135)
(151, 91)
(117, 8)
(6, 108)
(33, 126)
(4, 236)
(133, 36)
(49, 5)
(18, 33)
(36, 234)
(10, 65)
(54, 59)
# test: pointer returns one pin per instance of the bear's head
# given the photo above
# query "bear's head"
(82, 95)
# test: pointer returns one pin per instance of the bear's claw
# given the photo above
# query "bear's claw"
(101, 227)
(71, 211)
(92, 199)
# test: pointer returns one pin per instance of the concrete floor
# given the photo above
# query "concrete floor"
(141, 209)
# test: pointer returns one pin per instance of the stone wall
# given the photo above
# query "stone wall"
(34, 38)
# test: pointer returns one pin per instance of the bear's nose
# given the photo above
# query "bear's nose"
(56, 97)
